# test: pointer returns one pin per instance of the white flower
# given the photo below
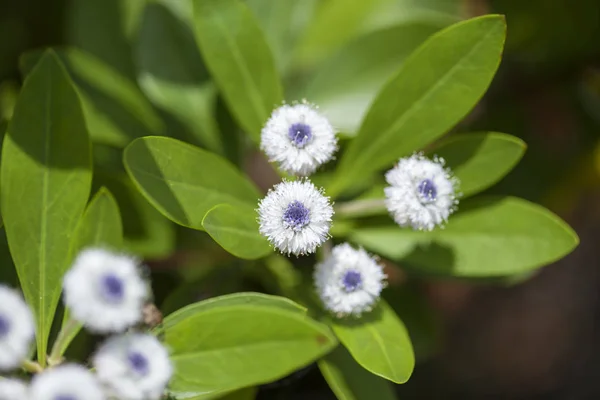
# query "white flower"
(349, 281)
(17, 328)
(133, 367)
(295, 217)
(298, 138)
(105, 291)
(12, 389)
(71, 382)
(422, 192)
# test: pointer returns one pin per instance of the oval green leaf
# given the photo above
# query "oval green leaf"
(184, 182)
(231, 345)
(100, 225)
(236, 230)
(45, 177)
(479, 160)
(379, 342)
(433, 90)
(349, 381)
(494, 236)
(237, 55)
(374, 57)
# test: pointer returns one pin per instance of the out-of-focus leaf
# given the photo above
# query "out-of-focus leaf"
(248, 343)
(435, 87)
(115, 109)
(487, 237)
(479, 160)
(236, 230)
(184, 182)
(349, 381)
(237, 55)
(379, 342)
(172, 74)
(45, 178)
(347, 83)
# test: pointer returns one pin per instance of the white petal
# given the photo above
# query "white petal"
(68, 381)
(280, 148)
(83, 291)
(17, 321)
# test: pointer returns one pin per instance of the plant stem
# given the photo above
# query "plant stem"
(31, 366)
(66, 335)
(360, 207)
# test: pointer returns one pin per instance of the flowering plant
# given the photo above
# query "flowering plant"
(294, 264)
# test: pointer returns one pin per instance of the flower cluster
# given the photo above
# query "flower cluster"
(104, 292)
(295, 216)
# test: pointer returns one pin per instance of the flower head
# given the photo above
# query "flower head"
(133, 367)
(422, 193)
(66, 382)
(298, 138)
(12, 389)
(295, 217)
(16, 328)
(105, 291)
(349, 281)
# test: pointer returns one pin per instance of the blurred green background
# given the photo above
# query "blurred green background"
(535, 338)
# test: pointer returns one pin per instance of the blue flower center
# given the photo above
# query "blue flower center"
(138, 362)
(4, 326)
(112, 288)
(65, 397)
(427, 190)
(351, 280)
(296, 216)
(300, 134)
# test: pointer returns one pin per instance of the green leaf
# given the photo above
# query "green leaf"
(45, 179)
(433, 90)
(337, 88)
(229, 345)
(488, 237)
(235, 299)
(184, 182)
(242, 394)
(147, 233)
(350, 381)
(479, 160)
(379, 342)
(236, 230)
(100, 225)
(173, 76)
(115, 109)
(239, 60)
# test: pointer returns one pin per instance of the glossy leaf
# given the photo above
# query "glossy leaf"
(479, 160)
(236, 230)
(184, 182)
(173, 76)
(379, 342)
(349, 381)
(487, 237)
(45, 178)
(229, 345)
(239, 60)
(347, 83)
(100, 225)
(433, 90)
(115, 109)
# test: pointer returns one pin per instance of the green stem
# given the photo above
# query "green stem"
(360, 207)
(32, 367)
(66, 335)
